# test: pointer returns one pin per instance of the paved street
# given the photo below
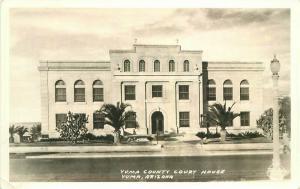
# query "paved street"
(193, 168)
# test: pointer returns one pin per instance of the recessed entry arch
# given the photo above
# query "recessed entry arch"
(165, 116)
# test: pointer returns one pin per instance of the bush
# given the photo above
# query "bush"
(74, 128)
(101, 138)
(207, 135)
(244, 135)
(201, 134)
(51, 139)
(249, 134)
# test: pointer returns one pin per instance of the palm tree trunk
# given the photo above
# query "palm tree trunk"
(117, 137)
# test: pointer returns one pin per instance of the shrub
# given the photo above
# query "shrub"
(52, 139)
(201, 134)
(207, 135)
(101, 138)
(254, 134)
(74, 128)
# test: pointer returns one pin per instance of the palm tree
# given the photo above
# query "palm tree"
(221, 116)
(12, 131)
(35, 131)
(21, 130)
(116, 117)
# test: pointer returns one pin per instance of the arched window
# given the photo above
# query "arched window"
(171, 66)
(227, 90)
(79, 91)
(141, 66)
(186, 66)
(156, 66)
(98, 91)
(244, 90)
(60, 91)
(211, 90)
(126, 66)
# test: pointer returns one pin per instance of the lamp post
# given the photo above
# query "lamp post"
(275, 172)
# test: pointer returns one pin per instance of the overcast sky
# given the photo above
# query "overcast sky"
(88, 34)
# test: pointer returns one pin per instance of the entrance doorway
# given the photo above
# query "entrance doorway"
(157, 120)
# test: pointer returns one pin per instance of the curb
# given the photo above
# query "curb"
(85, 149)
(234, 147)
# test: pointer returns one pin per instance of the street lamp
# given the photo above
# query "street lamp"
(275, 172)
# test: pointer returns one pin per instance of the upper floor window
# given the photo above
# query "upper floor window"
(129, 92)
(227, 90)
(141, 66)
(126, 66)
(98, 91)
(130, 121)
(171, 66)
(211, 90)
(98, 120)
(79, 91)
(60, 91)
(244, 90)
(184, 119)
(183, 92)
(156, 66)
(157, 91)
(245, 118)
(186, 66)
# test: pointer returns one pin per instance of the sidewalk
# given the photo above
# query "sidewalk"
(162, 149)
(164, 153)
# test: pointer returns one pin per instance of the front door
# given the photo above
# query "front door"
(157, 120)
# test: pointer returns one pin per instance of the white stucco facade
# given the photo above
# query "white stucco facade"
(115, 77)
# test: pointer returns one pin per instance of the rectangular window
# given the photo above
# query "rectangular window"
(130, 92)
(79, 95)
(227, 93)
(211, 94)
(244, 93)
(184, 119)
(98, 121)
(60, 95)
(157, 91)
(183, 92)
(97, 94)
(245, 118)
(60, 119)
(131, 121)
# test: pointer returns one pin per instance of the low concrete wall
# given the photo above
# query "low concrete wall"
(229, 147)
(84, 149)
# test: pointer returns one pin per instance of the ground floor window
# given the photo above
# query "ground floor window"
(131, 120)
(245, 118)
(98, 121)
(184, 119)
(60, 119)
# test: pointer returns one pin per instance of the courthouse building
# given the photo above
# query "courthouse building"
(168, 88)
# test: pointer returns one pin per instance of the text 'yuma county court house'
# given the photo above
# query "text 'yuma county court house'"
(169, 90)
